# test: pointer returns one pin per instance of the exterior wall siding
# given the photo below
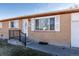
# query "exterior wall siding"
(61, 38)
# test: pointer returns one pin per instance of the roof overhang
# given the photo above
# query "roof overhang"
(66, 11)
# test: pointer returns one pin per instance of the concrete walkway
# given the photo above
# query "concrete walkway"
(54, 50)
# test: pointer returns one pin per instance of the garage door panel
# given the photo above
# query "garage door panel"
(75, 34)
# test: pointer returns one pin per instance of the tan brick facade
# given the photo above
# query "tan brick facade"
(61, 38)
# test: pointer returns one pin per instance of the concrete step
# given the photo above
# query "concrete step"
(15, 42)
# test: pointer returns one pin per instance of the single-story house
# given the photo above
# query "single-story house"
(59, 28)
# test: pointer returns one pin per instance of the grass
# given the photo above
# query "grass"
(13, 50)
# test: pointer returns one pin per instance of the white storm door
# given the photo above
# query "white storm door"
(25, 26)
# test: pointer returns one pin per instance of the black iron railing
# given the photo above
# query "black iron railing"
(18, 35)
(23, 38)
(14, 34)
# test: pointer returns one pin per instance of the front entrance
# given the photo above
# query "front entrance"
(25, 26)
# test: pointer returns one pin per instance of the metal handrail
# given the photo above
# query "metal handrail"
(23, 40)
(21, 36)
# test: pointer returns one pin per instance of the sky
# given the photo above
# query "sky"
(9, 10)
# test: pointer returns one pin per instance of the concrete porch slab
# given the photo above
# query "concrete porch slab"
(15, 42)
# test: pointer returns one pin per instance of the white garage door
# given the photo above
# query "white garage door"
(75, 34)
(75, 30)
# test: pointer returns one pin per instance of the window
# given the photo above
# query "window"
(45, 24)
(37, 24)
(52, 23)
(12, 24)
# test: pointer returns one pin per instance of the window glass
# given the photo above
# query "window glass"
(37, 24)
(12, 24)
(52, 23)
(43, 24)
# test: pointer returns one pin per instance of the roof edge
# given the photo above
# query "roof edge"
(65, 11)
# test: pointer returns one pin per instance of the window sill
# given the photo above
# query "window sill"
(44, 31)
(13, 28)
